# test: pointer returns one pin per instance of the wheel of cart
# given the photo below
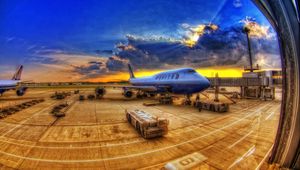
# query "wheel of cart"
(128, 117)
(138, 127)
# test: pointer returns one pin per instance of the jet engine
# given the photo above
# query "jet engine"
(21, 91)
(100, 91)
(127, 93)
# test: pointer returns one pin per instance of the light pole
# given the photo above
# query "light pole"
(246, 31)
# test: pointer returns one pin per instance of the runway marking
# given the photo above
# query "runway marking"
(272, 113)
(232, 145)
(267, 154)
(248, 153)
(136, 154)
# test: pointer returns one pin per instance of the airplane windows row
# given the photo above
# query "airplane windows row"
(167, 76)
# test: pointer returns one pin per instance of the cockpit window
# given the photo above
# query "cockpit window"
(191, 71)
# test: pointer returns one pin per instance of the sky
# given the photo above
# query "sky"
(92, 40)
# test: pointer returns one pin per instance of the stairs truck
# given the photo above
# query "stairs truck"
(147, 125)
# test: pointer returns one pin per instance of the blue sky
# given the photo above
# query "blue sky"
(31, 29)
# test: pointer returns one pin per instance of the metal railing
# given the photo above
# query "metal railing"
(237, 82)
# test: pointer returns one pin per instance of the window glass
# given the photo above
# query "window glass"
(81, 49)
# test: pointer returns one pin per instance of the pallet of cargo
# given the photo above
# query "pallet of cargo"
(60, 95)
(212, 106)
(59, 110)
(13, 109)
(147, 125)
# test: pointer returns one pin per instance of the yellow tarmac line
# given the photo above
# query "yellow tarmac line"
(248, 153)
(272, 113)
(235, 143)
(261, 162)
(269, 116)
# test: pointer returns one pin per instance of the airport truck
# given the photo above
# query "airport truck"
(147, 125)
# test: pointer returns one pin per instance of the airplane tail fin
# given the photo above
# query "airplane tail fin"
(17, 75)
(130, 71)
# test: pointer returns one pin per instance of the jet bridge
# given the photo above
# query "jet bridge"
(253, 84)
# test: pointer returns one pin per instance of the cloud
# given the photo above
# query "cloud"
(100, 67)
(193, 33)
(48, 51)
(237, 3)
(214, 47)
(255, 30)
(9, 39)
(115, 63)
(43, 60)
(91, 69)
(64, 67)
(104, 52)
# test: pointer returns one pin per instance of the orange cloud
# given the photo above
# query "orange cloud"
(256, 30)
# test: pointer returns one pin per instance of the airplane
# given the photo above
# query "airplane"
(184, 81)
(6, 85)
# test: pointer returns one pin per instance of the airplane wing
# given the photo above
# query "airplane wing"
(27, 81)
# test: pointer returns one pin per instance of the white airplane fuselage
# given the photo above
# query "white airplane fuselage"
(179, 81)
(6, 85)
(12, 84)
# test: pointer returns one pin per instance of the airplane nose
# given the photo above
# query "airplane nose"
(207, 82)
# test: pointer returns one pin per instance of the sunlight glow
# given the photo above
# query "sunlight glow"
(194, 33)
(256, 30)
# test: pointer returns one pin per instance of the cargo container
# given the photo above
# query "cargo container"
(212, 106)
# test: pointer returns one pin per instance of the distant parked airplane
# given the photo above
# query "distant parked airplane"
(6, 85)
(184, 81)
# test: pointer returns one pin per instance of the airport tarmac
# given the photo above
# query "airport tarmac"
(96, 135)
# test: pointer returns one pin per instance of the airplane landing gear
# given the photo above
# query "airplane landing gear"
(152, 95)
(187, 100)
(197, 103)
(141, 95)
(165, 99)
